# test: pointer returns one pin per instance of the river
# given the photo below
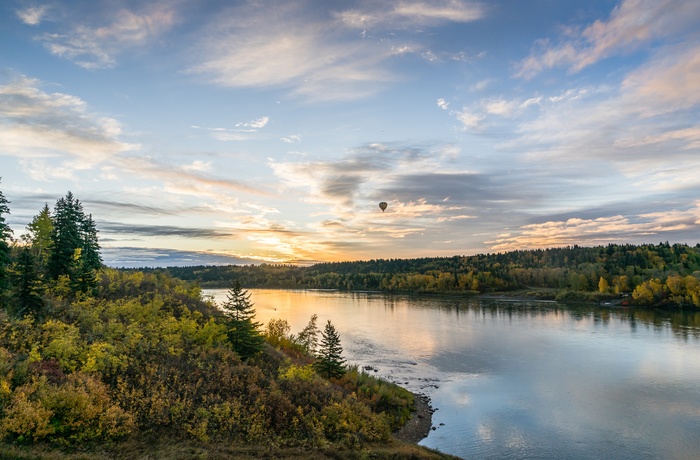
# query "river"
(522, 379)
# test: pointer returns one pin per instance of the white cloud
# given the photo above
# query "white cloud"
(312, 56)
(97, 47)
(483, 84)
(598, 231)
(469, 119)
(36, 124)
(315, 60)
(646, 128)
(443, 104)
(631, 25)
(668, 83)
(255, 124)
(32, 16)
(198, 165)
(406, 13)
(500, 107)
(292, 139)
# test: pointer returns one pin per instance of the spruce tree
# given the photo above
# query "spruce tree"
(91, 246)
(329, 361)
(5, 239)
(27, 286)
(65, 236)
(243, 331)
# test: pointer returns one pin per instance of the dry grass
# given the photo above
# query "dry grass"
(394, 450)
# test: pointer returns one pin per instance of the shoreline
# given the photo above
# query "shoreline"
(421, 422)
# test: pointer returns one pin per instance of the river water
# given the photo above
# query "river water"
(522, 379)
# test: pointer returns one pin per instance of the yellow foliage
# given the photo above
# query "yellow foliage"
(62, 342)
(293, 372)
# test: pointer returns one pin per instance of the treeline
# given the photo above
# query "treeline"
(649, 274)
(60, 251)
(107, 364)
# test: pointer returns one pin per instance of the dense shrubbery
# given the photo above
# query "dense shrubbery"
(102, 368)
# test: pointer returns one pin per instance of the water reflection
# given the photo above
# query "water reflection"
(524, 379)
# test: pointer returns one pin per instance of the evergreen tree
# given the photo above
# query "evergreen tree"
(5, 239)
(83, 277)
(27, 286)
(91, 248)
(243, 331)
(65, 236)
(329, 361)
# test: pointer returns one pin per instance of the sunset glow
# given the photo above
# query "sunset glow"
(248, 132)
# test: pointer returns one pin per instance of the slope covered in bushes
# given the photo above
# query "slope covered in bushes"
(145, 358)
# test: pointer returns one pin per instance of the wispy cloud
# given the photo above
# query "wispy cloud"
(319, 55)
(291, 139)
(631, 25)
(33, 15)
(55, 134)
(314, 59)
(255, 124)
(37, 124)
(407, 13)
(242, 132)
(130, 257)
(602, 230)
(96, 47)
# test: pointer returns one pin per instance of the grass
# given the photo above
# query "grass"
(393, 450)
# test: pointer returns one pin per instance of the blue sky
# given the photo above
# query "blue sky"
(264, 131)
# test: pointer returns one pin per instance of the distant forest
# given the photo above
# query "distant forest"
(648, 274)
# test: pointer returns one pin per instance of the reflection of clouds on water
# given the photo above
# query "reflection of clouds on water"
(391, 364)
(485, 432)
(523, 379)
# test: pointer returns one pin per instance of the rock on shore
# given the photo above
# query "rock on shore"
(418, 427)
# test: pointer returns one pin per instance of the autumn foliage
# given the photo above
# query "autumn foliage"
(146, 357)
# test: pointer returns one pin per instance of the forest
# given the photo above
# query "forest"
(97, 363)
(649, 274)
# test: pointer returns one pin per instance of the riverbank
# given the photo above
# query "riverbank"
(418, 427)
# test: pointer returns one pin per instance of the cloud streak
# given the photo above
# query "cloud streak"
(97, 47)
(602, 230)
(320, 59)
(631, 25)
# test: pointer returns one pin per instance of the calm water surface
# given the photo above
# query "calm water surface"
(523, 379)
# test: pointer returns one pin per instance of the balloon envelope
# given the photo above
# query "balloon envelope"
(382, 206)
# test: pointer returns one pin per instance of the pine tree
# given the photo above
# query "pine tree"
(243, 332)
(27, 286)
(329, 361)
(5, 239)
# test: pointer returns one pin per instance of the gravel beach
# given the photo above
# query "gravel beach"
(420, 423)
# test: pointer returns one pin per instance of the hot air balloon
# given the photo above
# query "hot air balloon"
(382, 206)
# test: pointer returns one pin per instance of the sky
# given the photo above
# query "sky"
(217, 132)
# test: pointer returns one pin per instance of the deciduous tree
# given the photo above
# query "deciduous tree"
(39, 236)
(308, 338)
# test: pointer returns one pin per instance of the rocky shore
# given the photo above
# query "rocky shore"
(420, 423)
